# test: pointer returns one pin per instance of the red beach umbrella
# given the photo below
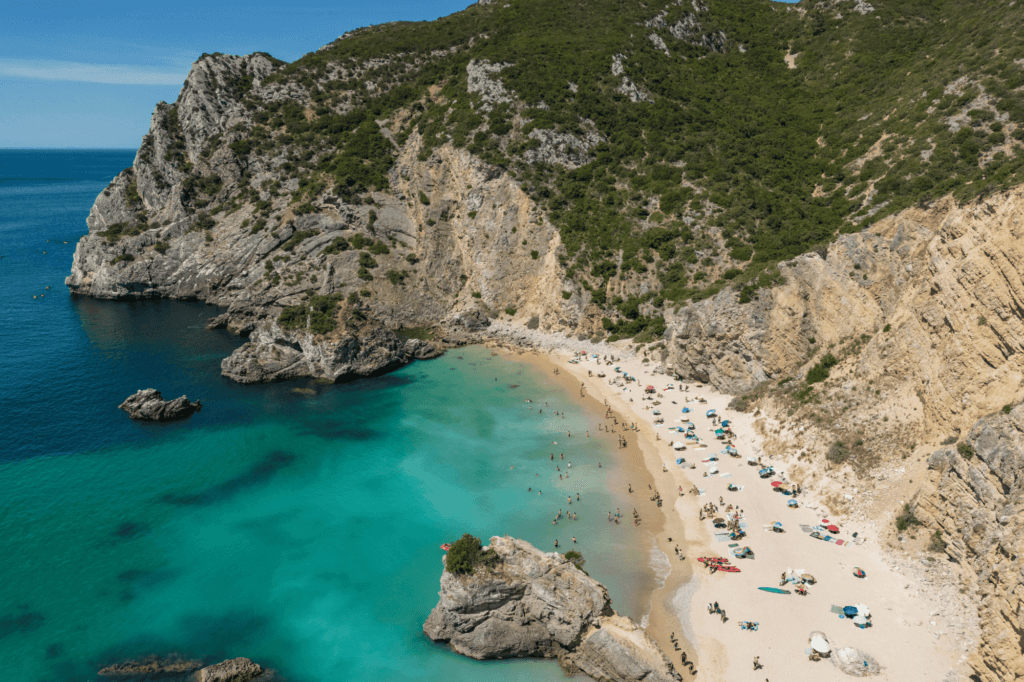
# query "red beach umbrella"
(776, 484)
(832, 529)
(825, 521)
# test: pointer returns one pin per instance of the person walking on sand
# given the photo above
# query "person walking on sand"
(717, 610)
(757, 663)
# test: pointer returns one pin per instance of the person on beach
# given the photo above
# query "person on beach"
(556, 544)
(574, 539)
(757, 663)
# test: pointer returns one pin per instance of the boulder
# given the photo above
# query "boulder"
(540, 605)
(148, 404)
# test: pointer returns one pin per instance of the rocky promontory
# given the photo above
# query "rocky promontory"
(526, 603)
(147, 404)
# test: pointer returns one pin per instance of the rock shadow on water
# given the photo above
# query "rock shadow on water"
(135, 580)
(129, 530)
(260, 473)
(19, 623)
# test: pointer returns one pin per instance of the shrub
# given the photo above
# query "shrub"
(297, 238)
(123, 258)
(161, 247)
(466, 554)
(819, 372)
(534, 322)
(566, 295)
(397, 277)
(949, 441)
(257, 226)
(477, 294)
(534, 255)
(359, 241)
(337, 245)
(379, 248)
(510, 311)
(886, 328)
(412, 259)
(937, 544)
(576, 559)
(364, 274)
(905, 519)
(837, 453)
(424, 199)
(366, 260)
(1007, 409)
(472, 214)
(965, 450)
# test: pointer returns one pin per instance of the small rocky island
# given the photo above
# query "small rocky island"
(149, 405)
(514, 601)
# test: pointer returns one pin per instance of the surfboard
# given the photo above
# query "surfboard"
(776, 590)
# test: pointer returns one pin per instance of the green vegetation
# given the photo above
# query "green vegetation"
(161, 247)
(510, 311)
(466, 554)
(820, 371)
(965, 450)
(576, 559)
(297, 238)
(123, 258)
(337, 245)
(735, 163)
(318, 311)
(1007, 409)
(905, 519)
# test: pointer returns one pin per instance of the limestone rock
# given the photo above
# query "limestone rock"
(148, 404)
(537, 604)
(977, 504)
(150, 238)
(176, 669)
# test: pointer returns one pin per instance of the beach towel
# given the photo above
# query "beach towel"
(722, 537)
(805, 528)
(726, 475)
(836, 609)
(700, 492)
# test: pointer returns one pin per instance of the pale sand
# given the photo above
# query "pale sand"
(897, 640)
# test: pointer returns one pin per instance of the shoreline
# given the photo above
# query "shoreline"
(898, 639)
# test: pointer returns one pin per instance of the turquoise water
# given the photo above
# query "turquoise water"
(299, 530)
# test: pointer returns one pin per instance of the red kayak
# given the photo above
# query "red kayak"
(713, 560)
(729, 569)
(446, 546)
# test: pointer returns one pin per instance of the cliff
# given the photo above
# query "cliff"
(536, 604)
(452, 238)
(174, 669)
(974, 499)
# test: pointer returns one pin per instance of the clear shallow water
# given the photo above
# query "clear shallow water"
(299, 530)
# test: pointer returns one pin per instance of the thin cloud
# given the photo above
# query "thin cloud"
(113, 74)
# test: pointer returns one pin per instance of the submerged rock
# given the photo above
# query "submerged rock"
(176, 669)
(149, 404)
(540, 605)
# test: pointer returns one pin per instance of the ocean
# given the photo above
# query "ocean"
(299, 529)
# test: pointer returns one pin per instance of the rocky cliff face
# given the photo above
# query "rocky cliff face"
(536, 604)
(938, 293)
(193, 220)
(977, 502)
(182, 670)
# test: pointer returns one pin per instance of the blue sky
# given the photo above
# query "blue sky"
(87, 74)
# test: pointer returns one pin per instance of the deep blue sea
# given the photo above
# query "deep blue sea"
(299, 530)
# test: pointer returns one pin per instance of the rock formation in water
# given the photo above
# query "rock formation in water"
(540, 605)
(173, 669)
(147, 404)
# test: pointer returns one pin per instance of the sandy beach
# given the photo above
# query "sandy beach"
(898, 637)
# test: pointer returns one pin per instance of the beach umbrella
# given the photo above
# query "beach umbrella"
(858, 573)
(719, 432)
(686, 410)
(679, 460)
(650, 388)
(832, 529)
(678, 446)
(825, 522)
(849, 611)
(860, 620)
(819, 644)
(777, 524)
(725, 422)
(709, 413)
(862, 610)
(775, 484)
(718, 521)
(792, 503)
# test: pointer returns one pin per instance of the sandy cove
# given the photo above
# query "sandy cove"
(904, 649)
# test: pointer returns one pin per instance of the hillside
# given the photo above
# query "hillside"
(816, 205)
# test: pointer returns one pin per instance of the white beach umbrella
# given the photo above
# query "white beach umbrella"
(862, 610)
(819, 644)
